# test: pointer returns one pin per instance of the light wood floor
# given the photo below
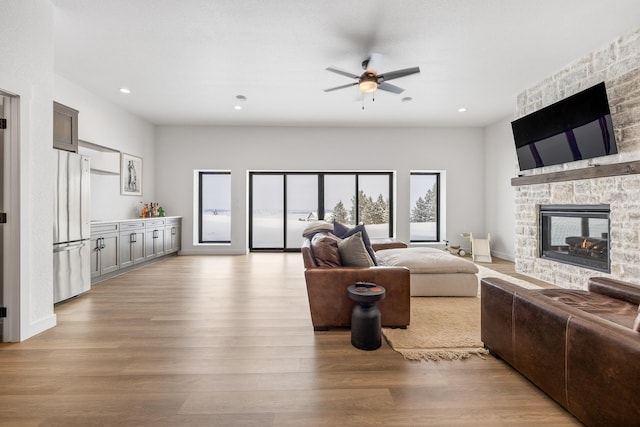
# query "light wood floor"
(228, 341)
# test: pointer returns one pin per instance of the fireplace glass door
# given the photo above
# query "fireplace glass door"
(576, 234)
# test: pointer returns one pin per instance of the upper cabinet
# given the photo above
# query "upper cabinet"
(65, 127)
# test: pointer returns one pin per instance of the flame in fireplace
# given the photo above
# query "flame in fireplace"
(584, 244)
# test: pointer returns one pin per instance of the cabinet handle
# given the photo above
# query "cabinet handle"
(155, 234)
(132, 238)
(173, 231)
(102, 245)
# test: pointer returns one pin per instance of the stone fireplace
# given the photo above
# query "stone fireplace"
(581, 183)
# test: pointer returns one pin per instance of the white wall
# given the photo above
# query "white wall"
(101, 122)
(26, 69)
(501, 165)
(181, 150)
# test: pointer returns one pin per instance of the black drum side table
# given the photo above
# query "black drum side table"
(366, 325)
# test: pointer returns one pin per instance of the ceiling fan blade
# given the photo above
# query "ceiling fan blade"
(390, 88)
(341, 87)
(342, 73)
(398, 73)
(375, 61)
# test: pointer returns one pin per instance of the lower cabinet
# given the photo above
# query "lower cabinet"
(104, 249)
(154, 238)
(132, 237)
(172, 236)
(119, 245)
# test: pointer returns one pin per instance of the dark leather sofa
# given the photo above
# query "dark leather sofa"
(580, 347)
(328, 298)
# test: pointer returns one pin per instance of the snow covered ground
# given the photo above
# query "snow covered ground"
(216, 228)
(268, 229)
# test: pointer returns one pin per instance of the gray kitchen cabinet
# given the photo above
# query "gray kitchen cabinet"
(65, 127)
(132, 238)
(119, 246)
(154, 238)
(104, 249)
(172, 235)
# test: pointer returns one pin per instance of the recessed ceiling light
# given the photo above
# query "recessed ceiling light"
(237, 107)
(461, 110)
(124, 90)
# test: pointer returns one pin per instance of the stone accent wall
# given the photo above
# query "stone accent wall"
(618, 65)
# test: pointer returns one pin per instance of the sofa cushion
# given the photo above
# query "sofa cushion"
(614, 310)
(353, 252)
(421, 260)
(636, 324)
(343, 231)
(325, 249)
(316, 227)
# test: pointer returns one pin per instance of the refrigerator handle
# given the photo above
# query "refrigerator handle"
(70, 247)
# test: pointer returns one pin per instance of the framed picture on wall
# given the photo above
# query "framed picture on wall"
(130, 175)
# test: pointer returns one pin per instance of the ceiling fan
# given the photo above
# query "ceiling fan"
(370, 80)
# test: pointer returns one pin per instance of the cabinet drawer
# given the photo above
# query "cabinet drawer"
(104, 228)
(131, 225)
(172, 221)
(155, 223)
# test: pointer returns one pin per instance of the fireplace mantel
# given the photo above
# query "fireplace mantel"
(598, 171)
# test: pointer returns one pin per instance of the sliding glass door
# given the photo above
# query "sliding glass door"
(373, 204)
(301, 205)
(267, 211)
(282, 204)
(339, 198)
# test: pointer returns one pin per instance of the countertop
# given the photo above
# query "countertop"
(108, 221)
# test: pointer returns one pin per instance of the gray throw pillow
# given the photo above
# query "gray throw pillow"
(353, 253)
(343, 232)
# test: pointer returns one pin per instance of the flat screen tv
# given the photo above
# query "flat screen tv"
(575, 128)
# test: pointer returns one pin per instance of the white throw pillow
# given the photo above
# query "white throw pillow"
(316, 227)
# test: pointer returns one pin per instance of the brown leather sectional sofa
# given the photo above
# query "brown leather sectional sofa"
(329, 301)
(580, 347)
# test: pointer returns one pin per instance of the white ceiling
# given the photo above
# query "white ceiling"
(185, 61)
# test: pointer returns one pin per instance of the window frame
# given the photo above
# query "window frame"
(439, 206)
(201, 174)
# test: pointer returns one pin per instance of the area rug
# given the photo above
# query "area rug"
(442, 328)
(445, 328)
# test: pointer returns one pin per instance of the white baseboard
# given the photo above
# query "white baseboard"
(212, 252)
(40, 326)
(503, 255)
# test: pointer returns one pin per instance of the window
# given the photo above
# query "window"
(283, 203)
(424, 215)
(267, 211)
(214, 219)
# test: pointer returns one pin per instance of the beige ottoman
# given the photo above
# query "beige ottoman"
(434, 272)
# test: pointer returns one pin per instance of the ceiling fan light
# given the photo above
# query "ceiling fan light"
(367, 86)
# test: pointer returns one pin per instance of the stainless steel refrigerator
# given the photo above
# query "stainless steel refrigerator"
(71, 226)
